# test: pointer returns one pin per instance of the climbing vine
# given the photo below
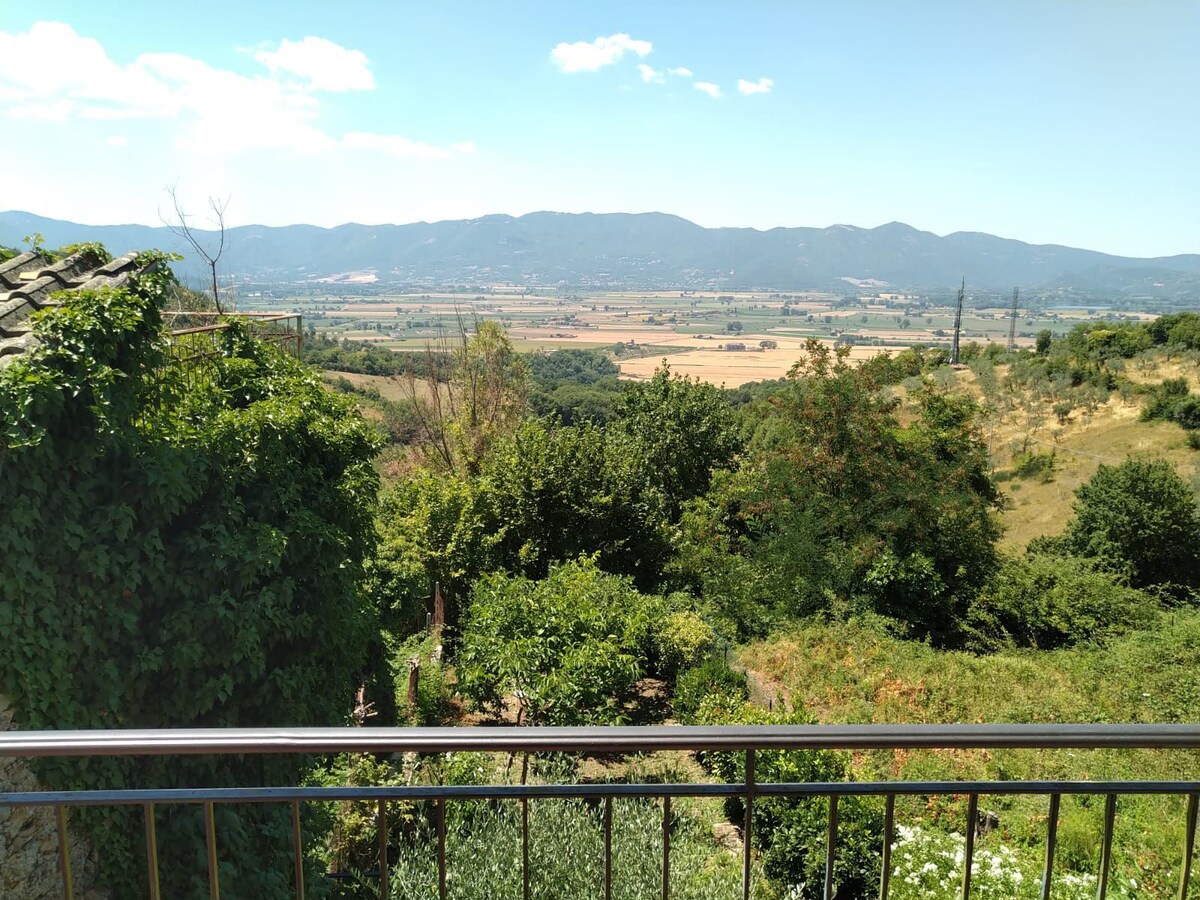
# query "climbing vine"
(178, 555)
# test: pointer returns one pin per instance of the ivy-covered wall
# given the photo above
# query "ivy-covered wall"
(178, 557)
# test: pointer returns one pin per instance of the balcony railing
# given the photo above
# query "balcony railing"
(586, 740)
(194, 337)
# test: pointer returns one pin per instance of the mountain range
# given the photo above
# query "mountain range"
(647, 250)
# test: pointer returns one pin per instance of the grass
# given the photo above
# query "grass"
(858, 672)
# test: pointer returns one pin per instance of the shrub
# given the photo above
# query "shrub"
(713, 676)
(1138, 518)
(682, 641)
(1048, 601)
(1035, 465)
(792, 834)
(569, 647)
(929, 866)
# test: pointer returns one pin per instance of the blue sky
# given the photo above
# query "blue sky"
(1064, 122)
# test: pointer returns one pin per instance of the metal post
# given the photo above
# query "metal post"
(666, 862)
(1051, 841)
(748, 825)
(382, 828)
(298, 850)
(830, 846)
(210, 840)
(441, 829)
(969, 855)
(1110, 813)
(64, 854)
(608, 848)
(1189, 844)
(889, 823)
(525, 847)
(151, 852)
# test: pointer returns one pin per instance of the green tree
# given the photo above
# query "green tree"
(677, 431)
(1043, 341)
(1138, 518)
(433, 528)
(561, 491)
(472, 393)
(837, 504)
(568, 648)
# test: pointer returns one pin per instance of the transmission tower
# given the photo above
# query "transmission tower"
(957, 323)
(1012, 325)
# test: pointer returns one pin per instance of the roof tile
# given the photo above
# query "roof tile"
(30, 282)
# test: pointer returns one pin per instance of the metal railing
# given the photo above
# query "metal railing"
(194, 338)
(584, 740)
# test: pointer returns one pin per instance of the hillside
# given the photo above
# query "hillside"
(652, 250)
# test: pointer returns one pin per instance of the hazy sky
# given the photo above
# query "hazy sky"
(1064, 122)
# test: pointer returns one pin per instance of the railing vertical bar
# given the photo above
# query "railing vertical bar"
(608, 848)
(151, 851)
(1189, 844)
(969, 852)
(441, 828)
(889, 825)
(210, 840)
(666, 861)
(830, 846)
(64, 853)
(298, 850)
(1051, 842)
(748, 825)
(525, 848)
(1110, 814)
(381, 827)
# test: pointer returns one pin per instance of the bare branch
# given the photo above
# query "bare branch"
(182, 228)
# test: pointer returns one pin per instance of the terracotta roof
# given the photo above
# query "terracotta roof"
(30, 282)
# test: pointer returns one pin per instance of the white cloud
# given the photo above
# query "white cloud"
(583, 56)
(326, 66)
(713, 90)
(393, 145)
(116, 141)
(463, 147)
(680, 72)
(650, 75)
(749, 88)
(52, 73)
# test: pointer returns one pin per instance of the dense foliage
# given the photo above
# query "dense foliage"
(1139, 519)
(837, 503)
(178, 557)
(570, 648)
(218, 555)
(327, 352)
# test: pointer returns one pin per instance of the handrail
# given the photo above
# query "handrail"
(586, 739)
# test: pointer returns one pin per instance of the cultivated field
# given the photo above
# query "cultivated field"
(691, 330)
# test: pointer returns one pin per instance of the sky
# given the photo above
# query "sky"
(1060, 121)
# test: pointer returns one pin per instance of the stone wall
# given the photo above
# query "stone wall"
(29, 840)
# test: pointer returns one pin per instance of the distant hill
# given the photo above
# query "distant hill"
(650, 250)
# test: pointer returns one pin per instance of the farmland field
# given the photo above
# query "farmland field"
(728, 339)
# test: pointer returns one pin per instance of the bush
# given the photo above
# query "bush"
(1035, 465)
(683, 640)
(570, 647)
(434, 694)
(792, 834)
(1164, 398)
(713, 676)
(1048, 601)
(1138, 518)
